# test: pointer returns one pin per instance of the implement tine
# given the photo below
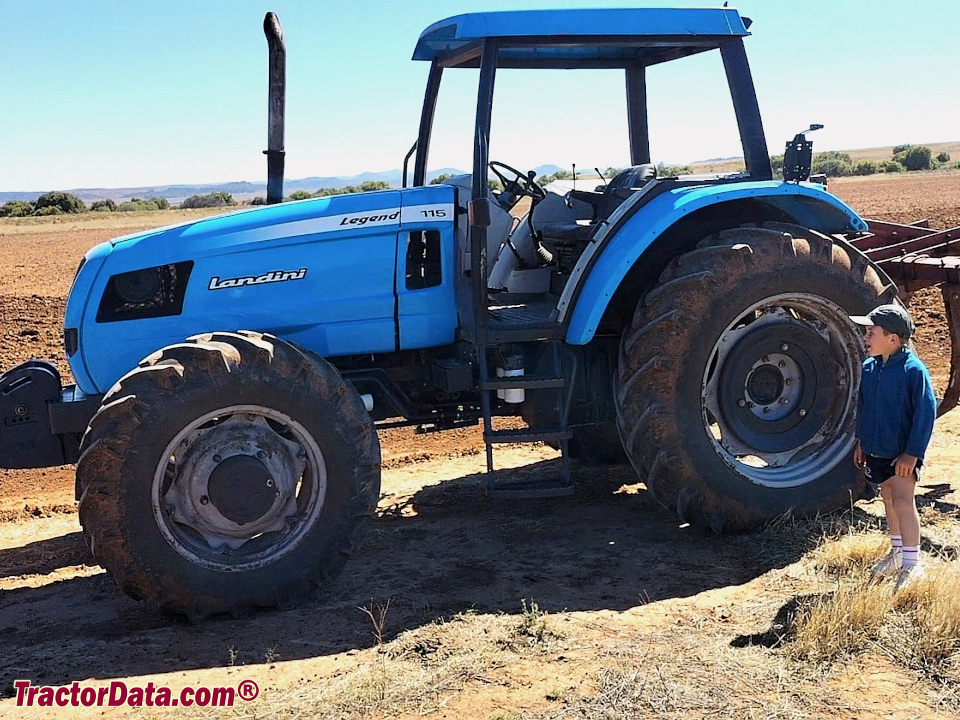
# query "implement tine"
(951, 303)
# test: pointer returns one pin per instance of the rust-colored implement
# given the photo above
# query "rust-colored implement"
(916, 256)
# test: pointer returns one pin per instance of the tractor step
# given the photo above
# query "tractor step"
(557, 434)
(524, 382)
(527, 435)
(529, 490)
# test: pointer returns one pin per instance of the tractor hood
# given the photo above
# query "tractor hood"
(304, 270)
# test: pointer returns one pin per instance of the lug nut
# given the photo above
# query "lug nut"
(204, 500)
(784, 347)
(269, 482)
(766, 410)
(803, 413)
(261, 454)
(781, 364)
(216, 458)
(783, 401)
(766, 358)
(789, 382)
(741, 402)
(749, 404)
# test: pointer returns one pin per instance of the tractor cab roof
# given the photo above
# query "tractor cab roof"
(613, 38)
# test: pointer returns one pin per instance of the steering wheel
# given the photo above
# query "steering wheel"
(518, 186)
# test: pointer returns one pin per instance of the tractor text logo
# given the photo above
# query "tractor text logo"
(270, 277)
(375, 219)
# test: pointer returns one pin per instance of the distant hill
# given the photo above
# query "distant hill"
(241, 190)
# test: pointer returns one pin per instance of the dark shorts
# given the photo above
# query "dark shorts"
(879, 470)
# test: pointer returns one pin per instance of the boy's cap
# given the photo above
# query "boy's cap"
(891, 318)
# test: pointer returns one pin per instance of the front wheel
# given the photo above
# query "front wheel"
(738, 377)
(230, 471)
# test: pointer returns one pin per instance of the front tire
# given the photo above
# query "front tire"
(228, 472)
(738, 376)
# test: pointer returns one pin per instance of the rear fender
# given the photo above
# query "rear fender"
(633, 230)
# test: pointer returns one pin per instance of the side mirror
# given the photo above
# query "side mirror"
(798, 156)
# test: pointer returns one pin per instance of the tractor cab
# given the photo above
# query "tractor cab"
(536, 250)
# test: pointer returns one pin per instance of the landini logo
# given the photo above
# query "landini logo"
(271, 277)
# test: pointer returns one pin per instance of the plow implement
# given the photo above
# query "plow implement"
(915, 257)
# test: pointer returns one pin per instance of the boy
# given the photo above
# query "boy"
(897, 410)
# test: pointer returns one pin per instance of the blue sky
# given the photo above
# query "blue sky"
(99, 93)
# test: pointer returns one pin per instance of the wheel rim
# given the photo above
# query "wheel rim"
(780, 387)
(239, 487)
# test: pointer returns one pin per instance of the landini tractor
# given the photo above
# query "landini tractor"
(231, 373)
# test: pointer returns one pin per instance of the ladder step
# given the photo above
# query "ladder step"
(524, 435)
(526, 382)
(528, 490)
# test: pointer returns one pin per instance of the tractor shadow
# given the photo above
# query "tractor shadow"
(442, 550)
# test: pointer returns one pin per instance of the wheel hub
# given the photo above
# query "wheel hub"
(242, 489)
(774, 386)
(765, 384)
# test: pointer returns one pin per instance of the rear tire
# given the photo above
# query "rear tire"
(228, 472)
(738, 377)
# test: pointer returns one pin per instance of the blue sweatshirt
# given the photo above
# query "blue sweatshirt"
(897, 406)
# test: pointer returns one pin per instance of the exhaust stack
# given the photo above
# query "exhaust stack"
(275, 111)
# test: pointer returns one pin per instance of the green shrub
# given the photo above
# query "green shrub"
(672, 170)
(65, 201)
(832, 163)
(891, 166)
(900, 148)
(214, 199)
(107, 205)
(136, 205)
(776, 164)
(545, 180)
(943, 157)
(866, 167)
(300, 195)
(48, 210)
(17, 208)
(258, 200)
(915, 157)
(441, 178)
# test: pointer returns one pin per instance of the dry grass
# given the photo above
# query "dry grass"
(850, 553)
(934, 604)
(841, 623)
(421, 670)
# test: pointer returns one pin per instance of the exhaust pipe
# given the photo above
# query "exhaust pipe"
(275, 111)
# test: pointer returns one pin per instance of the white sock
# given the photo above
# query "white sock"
(911, 556)
(897, 542)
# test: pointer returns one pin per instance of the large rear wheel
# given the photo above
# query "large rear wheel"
(738, 377)
(230, 471)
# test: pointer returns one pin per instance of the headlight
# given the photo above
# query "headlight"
(148, 293)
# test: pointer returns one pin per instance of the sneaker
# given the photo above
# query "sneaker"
(908, 576)
(889, 564)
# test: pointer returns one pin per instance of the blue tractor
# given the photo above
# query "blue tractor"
(231, 372)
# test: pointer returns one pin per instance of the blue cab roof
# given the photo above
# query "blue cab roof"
(577, 38)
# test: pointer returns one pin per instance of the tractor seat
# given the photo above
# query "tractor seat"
(618, 189)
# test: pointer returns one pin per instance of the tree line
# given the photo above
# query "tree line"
(905, 158)
(60, 203)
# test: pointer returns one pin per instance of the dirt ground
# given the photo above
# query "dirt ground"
(609, 565)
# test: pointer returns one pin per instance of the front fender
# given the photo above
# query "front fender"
(619, 245)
